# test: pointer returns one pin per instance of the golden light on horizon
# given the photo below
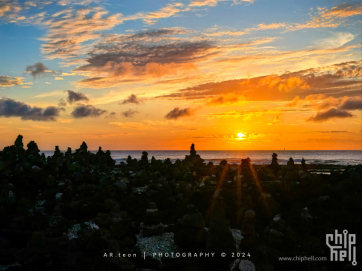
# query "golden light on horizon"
(241, 135)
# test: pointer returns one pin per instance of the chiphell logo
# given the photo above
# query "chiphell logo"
(342, 246)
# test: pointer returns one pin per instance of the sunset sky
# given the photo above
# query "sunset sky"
(160, 75)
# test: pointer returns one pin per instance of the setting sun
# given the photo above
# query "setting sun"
(241, 135)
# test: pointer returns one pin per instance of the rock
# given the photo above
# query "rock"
(277, 217)
(246, 265)
(248, 231)
(189, 232)
(219, 237)
(58, 195)
(35, 168)
(152, 223)
(305, 214)
(235, 265)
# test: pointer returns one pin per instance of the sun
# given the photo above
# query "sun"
(240, 135)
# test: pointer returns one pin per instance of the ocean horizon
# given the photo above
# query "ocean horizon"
(258, 157)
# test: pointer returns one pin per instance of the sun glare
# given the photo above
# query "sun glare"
(240, 135)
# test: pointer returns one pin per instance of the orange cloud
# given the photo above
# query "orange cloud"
(159, 70)
(293, 83)
(330, 17)
(286, 85)
(270, 80)
(294, 102)
(7, 81)
(225, 100)
(322, 80)
(270, 26)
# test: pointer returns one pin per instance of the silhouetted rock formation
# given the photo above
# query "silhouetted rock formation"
(290, 162)
(304, 165)
(189, 233)
(219, 238)
(152, 221)
(274, 164)
(192, 150)
(248, 231)
(194, 159)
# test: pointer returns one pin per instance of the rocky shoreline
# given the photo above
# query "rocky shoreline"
(81, 211)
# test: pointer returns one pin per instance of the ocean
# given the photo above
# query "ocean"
(257, 157)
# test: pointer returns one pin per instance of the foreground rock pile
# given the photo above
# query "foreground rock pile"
(80, 211)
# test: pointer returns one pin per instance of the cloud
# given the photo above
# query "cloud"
(200, 3)
(111, 115)
(227, 33)
(336, 40)
(178, 113)
(322, 102)
(225, 100)
(62, 103)
(7, 81)
(145, 55)
(12, 108)
(153, 55)
(294, 102)
(275, 121)
(38, 69)
(69, 30)
(132, 99)
(212, 3)
(58, 78)
(337, 80)
(49, 94)
(129, 113)
(333, 17)
(293, 83)
(269, 26)
(83, 111)
(76, 97)
(9, 9)
(353, 103)
(165, 12)
(330, 114)
(77, 2)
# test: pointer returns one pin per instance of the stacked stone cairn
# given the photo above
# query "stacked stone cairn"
(152, 222)
(219, 238)
(248, 231)
(189, 232)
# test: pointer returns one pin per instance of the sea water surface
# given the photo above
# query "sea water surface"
(257, 157)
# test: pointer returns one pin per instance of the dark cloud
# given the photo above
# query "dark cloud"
(111, 115)
(155, 33)
(178, 113)
(76, 97)
(83, 111)
(352, 104)
(129, 113)
(132, 99)
(330, 114)
(38, 69)
(145, 55)
(62, 103)
(12, 108)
